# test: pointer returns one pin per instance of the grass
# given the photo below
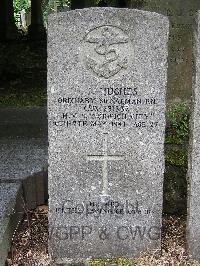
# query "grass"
(25, 99)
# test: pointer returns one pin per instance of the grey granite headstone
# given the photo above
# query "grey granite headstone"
(181, 16)
(193, 223)
(107, 72)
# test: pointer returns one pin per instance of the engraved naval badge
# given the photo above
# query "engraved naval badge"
(108, 56)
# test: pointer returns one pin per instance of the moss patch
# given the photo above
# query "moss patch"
(112, 262)
(24, 99)
(177, 131)
(176, 156)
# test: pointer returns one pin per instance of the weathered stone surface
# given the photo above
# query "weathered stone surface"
(193, 224)
(106, 102)
(11, 212)
(23, 122)
(181, 15)
(23, 151)
(25, 160)
(35, 189)
(21, 158)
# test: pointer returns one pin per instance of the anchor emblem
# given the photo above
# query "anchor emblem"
(106, 40)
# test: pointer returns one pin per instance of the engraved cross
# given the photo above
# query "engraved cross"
(104, 158)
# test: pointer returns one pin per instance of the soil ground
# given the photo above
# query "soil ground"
(30, 244)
